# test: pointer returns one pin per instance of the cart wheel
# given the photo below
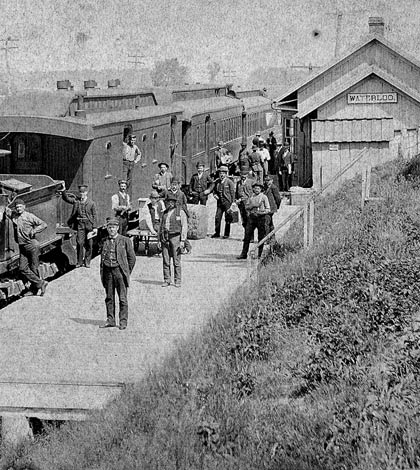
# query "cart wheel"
(136, 244)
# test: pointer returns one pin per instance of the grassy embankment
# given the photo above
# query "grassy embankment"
(316, 366)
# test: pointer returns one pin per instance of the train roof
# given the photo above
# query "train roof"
(255, 101)
(207, 105)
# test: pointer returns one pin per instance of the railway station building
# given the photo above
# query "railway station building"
(369, 97)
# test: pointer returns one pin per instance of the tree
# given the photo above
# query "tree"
(168, 72)
(213, 69)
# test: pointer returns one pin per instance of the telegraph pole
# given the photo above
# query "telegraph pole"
(6, 48)
(229, 74)
(136, 59)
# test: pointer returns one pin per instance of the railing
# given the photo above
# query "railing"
(308, 210)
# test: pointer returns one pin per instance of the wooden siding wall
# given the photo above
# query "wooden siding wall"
(329, 163)
(373, 53)
(406, 112)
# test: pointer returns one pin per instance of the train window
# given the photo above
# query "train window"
(154, 135)
(144, 137)
(108, 145)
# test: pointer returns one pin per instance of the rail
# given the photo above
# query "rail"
(308, 210)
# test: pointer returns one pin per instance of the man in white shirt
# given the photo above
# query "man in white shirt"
(265, 158)
(172, 237)
(121, 205)
(131, 156)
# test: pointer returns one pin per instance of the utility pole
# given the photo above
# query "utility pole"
(136, 59)
(6, 48)
(229, 74)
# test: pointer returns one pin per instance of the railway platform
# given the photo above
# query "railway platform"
(55, 363)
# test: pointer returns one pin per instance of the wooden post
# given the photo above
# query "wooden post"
(368, 175)
(363, 187)
(320, 178)
(311, 223)
(305, 226)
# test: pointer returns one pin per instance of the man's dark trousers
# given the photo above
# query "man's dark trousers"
(83, 244)
(114, 281)
(29, 262)
(254, 222)
(222, 208)
(172, 249)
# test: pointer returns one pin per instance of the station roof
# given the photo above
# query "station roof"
(371, 38)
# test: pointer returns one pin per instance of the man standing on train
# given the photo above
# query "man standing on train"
(131, 156)
(26, 227)
(83, 221)
(121, 205)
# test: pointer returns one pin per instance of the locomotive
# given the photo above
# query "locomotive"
(75, 137)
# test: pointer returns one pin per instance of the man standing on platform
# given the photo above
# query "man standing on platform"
(172, 237)
(26, 227)
(224, 193)
(117, 263)
(131, 156)
(243, 193)
(256, 164)
(181, 198)
(272, 147)
(121, 205)
(274, 199)
(201, 185)
(258, 207)
(83, 221)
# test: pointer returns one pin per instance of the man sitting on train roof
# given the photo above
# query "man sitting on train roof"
(162, 180)
(121, 205)
(131, 156)
(201, 185)
(26, 227)
(83, 221)
(181, 198)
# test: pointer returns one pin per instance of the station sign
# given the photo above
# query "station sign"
(372, 98)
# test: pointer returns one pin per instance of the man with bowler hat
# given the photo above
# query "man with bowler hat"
(172, 237)
(117, 263)
(224, 193)
(162, 180)
(83, 221)
(121, 205)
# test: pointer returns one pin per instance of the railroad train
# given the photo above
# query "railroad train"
(76, 136)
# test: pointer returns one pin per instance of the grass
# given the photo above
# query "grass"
(315, 366)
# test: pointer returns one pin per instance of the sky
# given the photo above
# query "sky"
(241, 35)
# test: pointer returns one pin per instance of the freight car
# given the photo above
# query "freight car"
(77, 137)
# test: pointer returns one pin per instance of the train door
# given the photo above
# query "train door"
(207, 127)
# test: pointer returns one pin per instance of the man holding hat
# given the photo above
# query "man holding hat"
(121, 205)
(201, 185)
(162, 180)
(258, 207)
(26, 227)
(117, 263)
(172, 238)
(224, 193)
(83, 221)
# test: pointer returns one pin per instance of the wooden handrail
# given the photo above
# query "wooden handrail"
(317, 193)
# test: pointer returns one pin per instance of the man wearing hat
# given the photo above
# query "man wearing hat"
(243, 159)
(121, 205)
(257, 140)
(131, 156)
(258, 207)
(256, 163)
(181, 198)
(201, 185)
(172, 237)
(272, 147)
(26, 227)
(243, 193)
(83, 221)
(162, 180)
(222, 156)
(155, 209)
(117, 263)
(274, 199)
(224, 193)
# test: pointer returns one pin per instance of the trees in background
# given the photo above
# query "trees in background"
(168, 72)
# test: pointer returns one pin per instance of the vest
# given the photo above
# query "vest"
(175, 225)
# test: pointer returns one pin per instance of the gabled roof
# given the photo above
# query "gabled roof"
(367, 40)
(356, 76)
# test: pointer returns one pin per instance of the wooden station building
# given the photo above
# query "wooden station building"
(370, 97)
